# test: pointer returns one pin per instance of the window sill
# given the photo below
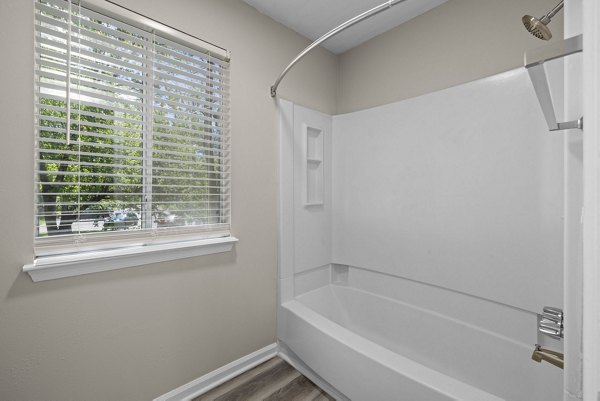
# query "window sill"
(52, 267)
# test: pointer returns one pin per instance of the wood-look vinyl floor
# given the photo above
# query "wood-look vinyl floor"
(274, 380)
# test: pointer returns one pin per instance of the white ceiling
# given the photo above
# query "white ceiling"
(313, 18)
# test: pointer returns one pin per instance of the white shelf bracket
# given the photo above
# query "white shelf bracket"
(534, 62)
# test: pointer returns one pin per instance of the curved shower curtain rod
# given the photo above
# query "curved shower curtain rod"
(334, 31)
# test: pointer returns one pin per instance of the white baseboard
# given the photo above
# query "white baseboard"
(217, 377)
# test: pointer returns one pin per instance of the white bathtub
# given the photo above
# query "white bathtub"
(404, 352)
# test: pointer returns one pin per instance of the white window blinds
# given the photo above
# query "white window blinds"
(132, 134)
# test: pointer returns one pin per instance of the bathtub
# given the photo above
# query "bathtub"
(410, 354)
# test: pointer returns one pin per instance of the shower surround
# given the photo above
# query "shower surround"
(418, 242)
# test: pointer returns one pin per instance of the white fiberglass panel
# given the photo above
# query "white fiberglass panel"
(361, 369)
(461, 188)
(472, 355)
(312, 189)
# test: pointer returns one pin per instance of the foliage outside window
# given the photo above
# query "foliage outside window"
(131, 134)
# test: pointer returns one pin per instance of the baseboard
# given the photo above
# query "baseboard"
(217, 377)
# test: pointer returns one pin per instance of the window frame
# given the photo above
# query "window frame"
(82, 259)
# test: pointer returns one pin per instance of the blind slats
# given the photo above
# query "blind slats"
(128, 59)
(83, 113)
(170, 46)
(43, 162)
(202, 98)
(89, 59)
(59, 101)
(84, 86)
(215, 154)
(199, 140)
(190, 126)
(74, 175)
(167, 74)
(128, 158)
(141, 152)
(113, 38)
(100, 100)
(169, 64)
(183, 76)
(131, 126)
(95, 76)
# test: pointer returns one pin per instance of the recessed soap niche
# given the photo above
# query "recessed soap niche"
(314, 166)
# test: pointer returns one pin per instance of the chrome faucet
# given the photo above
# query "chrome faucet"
(542, 354)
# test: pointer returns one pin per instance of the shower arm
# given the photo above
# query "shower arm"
(334, 31)
(546, 18)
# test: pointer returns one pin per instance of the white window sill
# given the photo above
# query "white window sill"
(52, 267)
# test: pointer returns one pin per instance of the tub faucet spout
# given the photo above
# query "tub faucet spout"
(542, 354)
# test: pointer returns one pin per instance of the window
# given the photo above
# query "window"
(132, 128)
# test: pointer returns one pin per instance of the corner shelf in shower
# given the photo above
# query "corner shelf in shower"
(534, 63)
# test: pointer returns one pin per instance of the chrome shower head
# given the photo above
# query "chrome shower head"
(538, 27)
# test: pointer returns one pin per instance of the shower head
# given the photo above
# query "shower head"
(538, 27)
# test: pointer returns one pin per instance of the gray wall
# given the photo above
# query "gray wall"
(136, 333)
(457, 42)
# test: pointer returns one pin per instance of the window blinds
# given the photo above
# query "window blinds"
(132, 134)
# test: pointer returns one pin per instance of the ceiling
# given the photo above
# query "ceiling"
(313, 18)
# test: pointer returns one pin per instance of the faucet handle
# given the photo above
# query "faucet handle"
(553, 313)
(551, 322)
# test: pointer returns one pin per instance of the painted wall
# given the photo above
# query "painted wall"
(457, 42)
(137, 333)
